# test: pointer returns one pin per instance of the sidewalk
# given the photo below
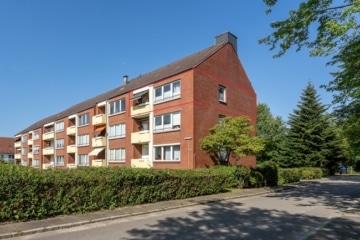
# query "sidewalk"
(346, 227)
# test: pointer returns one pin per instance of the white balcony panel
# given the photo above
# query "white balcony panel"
(140, 163)
(49, 135)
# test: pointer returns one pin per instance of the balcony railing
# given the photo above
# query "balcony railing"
(99, 142)
(48, 135)
(142, 109)
(30, 155)
(140, 163)
(140, 137)
(48, 165)
(99, 119)
(17, 144)
(17, 156)
(48, 151)
(71, 149)
(98, 163)
(30, 142)
(71, 130)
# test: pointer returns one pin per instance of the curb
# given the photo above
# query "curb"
(186, 204)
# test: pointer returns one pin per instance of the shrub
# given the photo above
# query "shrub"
(269, 171)
(289, 175)
(308, 173)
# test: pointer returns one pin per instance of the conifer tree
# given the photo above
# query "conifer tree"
(306, 140)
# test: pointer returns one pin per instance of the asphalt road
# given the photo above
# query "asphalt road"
(297, 213)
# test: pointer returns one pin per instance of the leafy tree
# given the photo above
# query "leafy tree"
(272, 130)
(231, 136)
(336, 27)
(313, 139)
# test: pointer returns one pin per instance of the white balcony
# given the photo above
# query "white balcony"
(98, 163)
(47, 165)
(140, 163)
(48, 135)
(140, 137)
(140, 110)
(30, 155)
(99, 142)
(48, 151)
(99, 119)
(30, 142)
(17, 144)
(71, 165)
(17, 156)
(71, 149)
(71, 130)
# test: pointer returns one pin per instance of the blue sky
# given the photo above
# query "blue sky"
(56, 53)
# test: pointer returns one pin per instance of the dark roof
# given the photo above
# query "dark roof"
(176, 67)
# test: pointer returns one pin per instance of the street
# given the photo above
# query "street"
(296, 213)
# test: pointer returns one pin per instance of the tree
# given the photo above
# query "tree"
(313, 139)
(273, 131)
(336, 27)
(231, 136)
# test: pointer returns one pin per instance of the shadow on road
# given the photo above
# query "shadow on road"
(231, 220)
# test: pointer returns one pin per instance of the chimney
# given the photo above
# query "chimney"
(125, 78)
(227, 37)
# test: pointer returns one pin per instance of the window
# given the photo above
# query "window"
(83, 140)
(117, 130)
(23, 151)
(221, 119)
(222, 93)
(60, 143)
(23, 138)
(83, 160)
(36, 135)
(84, 119)
(167, 121)
(59, 126)
(167, 153)
(60, 160)
(117, 155)
(168, 91)
(36, 163)
(36, 150)
(117, 106)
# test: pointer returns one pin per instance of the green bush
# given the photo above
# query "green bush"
(308, 173)
(289, 175)
(269, 171)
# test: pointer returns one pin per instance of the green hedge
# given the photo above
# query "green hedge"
(27, 193)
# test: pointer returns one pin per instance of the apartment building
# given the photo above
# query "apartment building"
(153, 121)
(7, 150)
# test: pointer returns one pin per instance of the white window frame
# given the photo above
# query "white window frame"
(60, 143)
(36, 149)
(169, 121)
(222, 93)
(83, 140)
(84, 119)
(117, 130)
(167, 91)
(83, 160)
(24, 138)
(59, 161)
(35, 163)
(118, 106)
(23, 151)
(59, 126)
(117, 155)
(36, 135)
(164, 155)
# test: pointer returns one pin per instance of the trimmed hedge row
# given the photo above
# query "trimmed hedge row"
(28, 193)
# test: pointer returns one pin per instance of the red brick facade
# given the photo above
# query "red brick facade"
(156, 120)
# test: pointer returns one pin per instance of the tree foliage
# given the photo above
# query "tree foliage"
(312, 139)
(327, 28)
(272, 130)
(231, 136)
